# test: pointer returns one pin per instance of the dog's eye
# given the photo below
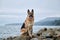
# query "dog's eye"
(29, 13)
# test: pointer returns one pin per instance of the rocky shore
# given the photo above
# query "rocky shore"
(42, 34)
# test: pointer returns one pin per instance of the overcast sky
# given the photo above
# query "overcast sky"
(16, 9)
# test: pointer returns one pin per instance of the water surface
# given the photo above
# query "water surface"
(14, 30)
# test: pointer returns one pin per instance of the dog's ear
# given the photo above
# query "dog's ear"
(32, 11)
(28, 11)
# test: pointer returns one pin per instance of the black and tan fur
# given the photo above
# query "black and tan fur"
(27, 26)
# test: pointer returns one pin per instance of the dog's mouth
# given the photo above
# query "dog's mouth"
(31, 16)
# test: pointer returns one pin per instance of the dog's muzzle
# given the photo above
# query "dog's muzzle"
(31, 16)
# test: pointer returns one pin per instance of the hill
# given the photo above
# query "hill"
(50, 21)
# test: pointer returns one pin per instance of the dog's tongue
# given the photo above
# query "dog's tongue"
(30, 17)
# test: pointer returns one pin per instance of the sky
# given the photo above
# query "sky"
(15, 11)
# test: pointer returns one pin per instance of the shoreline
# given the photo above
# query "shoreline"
(40, 35)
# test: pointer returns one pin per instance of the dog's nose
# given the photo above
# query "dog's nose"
(31, 16)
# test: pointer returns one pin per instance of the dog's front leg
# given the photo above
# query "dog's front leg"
(30, 32)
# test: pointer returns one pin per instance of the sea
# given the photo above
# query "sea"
(14, 30)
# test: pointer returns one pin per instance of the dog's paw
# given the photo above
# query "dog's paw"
(31, 36)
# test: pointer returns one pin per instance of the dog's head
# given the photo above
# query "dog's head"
(30, 14)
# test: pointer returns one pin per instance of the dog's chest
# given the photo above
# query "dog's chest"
(30, 24)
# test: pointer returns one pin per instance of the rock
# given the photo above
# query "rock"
(22, 37)
(43, 34)
(17, 38)
(50, 34)
(34, 39)
(3, 38)
(9, 38)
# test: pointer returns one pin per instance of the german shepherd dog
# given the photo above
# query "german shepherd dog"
(27, 27)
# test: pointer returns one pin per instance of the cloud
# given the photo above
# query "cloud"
(9, 16)
(20, 6)
(5, 19)
(19, 3)
(11, 11)
(16, 9)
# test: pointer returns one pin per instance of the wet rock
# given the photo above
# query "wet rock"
(42, 34)
(22, 37)
(34, 39)
(3, 38)
(50, 34)
(9, 38)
